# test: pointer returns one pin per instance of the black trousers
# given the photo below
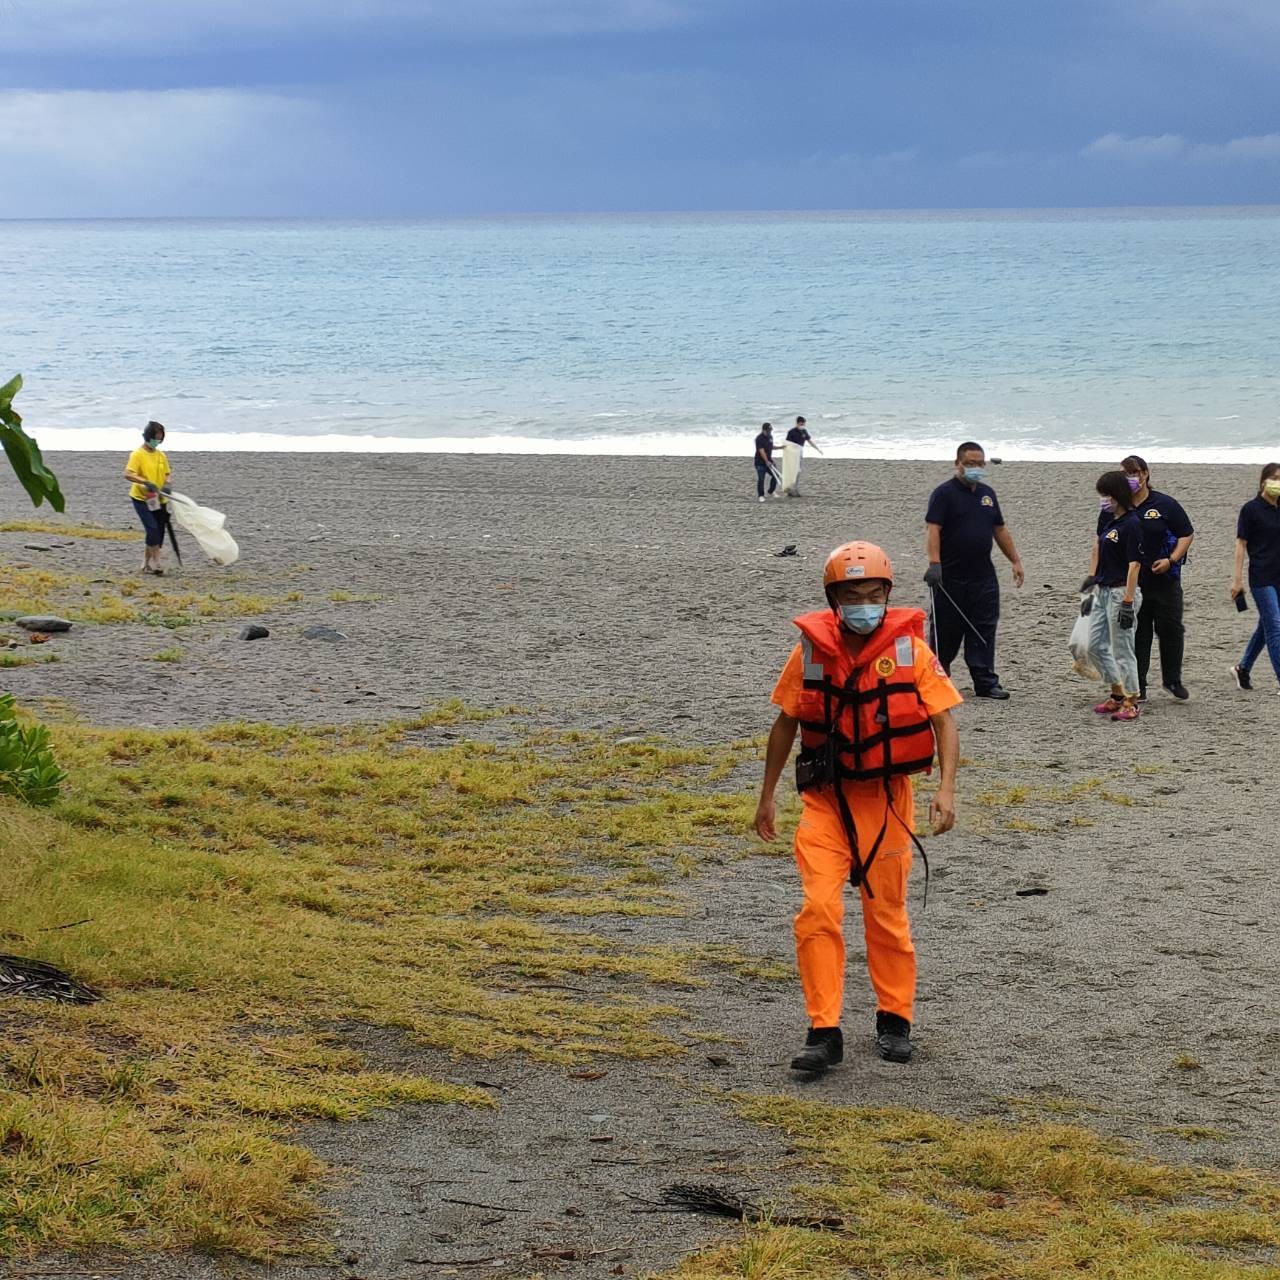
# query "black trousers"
(1161, 614)
(979, 600)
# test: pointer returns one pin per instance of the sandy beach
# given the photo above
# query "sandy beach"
(634, 597)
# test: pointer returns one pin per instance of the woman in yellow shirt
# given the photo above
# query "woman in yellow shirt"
(148, 469)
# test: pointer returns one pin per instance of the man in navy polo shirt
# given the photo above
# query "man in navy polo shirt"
(961, 523)
(1166, 539)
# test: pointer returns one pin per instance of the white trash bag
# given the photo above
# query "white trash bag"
(206, 526)
(1081, 663)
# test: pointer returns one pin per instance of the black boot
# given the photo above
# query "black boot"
(893, 1037)
(823, 1048)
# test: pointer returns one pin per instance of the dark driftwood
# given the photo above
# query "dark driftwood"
(39, 981)
(716, 1202)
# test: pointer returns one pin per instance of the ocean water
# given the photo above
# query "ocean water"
(1062, 334)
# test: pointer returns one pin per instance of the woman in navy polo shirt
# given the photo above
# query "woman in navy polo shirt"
(1113, 575)
(1258, 537)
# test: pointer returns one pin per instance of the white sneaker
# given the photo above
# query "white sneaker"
(760, 498)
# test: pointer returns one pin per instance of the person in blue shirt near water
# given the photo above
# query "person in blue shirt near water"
(1258, 537)
(764, 461)
(1113, 578)
(961, 523)
(1166, 538)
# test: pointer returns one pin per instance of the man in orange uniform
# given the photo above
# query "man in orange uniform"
(871, 702)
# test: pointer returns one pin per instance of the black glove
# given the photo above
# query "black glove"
(933, 575)
(1126, 615)
(1088, 584)
(1086, 606)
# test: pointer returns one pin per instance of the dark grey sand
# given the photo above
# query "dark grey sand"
(638, 596)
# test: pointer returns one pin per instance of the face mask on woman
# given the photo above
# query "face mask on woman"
(1271, 489)
(1107, 505)
(1135, 483)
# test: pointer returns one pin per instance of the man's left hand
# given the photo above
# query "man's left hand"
(942, 810)
(1018, 576)
(1161, 566)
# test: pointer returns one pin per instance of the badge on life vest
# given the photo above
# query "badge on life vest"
(885, 666)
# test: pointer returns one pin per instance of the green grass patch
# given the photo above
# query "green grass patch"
(924, 1197)
(69, 529)
(237, 891)
(171, 654)
(82, 599)
(27, 659)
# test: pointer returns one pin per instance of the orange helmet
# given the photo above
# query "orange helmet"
(856, 560)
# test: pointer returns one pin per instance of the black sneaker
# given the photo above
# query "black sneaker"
(823, 1048)
(893, 1037)
(1243, 680)
(998, 692)
(1177, 690)
(1142, 695)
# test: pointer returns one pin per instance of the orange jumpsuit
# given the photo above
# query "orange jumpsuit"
(824, 860)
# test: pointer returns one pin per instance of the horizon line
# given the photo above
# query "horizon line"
(990, 211)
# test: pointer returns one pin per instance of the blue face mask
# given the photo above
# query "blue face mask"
(862, 619)
(974, 475)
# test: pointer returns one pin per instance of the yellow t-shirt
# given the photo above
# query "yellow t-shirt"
(150, 463)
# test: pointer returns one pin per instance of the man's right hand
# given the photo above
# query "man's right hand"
(933, 574)
(766, 819)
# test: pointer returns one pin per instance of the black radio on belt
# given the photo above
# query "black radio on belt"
(812, 771)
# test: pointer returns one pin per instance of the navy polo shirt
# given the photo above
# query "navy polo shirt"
(968, 518)
(1119, 545)
(798, 435)
(764, 442)
(1163, 523)
(1259, 528)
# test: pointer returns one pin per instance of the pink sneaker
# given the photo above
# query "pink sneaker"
(1128, 711)
(1110, 707)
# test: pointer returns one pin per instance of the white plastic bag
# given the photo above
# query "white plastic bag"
(206, 526)
(1081, 663)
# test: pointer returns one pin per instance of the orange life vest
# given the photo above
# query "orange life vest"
(862, 717)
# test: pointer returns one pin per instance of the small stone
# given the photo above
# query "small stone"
(628, 741)
(43, 622)
(322, 632)
(254, 631)
(316, 537)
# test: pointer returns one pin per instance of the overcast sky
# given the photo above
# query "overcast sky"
(420, 107)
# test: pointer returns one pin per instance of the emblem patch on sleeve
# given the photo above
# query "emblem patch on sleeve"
(885, 666)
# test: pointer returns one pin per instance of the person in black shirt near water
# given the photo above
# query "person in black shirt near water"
(1258, 537)
(1113, 578)
(961, 523)
(764, 461)
(1166, 539)
(793, 457)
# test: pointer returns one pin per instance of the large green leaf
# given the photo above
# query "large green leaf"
(23, 452)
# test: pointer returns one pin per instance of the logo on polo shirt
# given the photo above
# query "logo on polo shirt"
(986, 500)
(1112, 536)
(1153, 514)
